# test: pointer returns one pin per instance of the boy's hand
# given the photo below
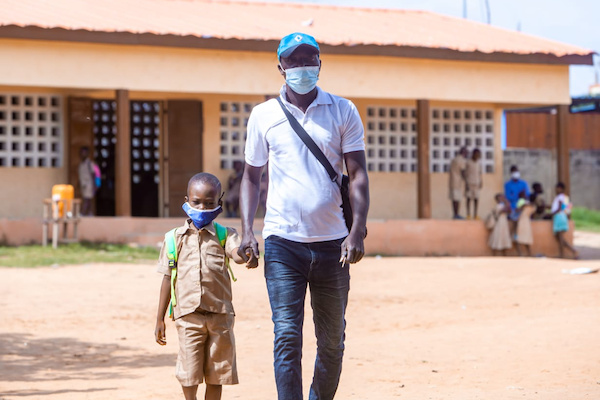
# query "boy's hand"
(251, 262)
(159, 333)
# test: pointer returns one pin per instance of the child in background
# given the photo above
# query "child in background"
(524, 236)
(473, 175)
(560, 209)
(499, 239)
(537, 200)
(203, 311)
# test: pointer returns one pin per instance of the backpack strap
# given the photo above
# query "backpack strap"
(222, 236)
(171, 243)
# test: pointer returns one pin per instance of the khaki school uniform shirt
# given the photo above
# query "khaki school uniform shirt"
(473, 172)
(457, 165)
(202, 277)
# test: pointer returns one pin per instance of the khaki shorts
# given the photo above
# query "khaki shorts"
(472, 192)
(456, 194)
(206, 349)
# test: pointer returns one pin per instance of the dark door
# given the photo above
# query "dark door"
(183, 155)
(105, 138)
(145, 156)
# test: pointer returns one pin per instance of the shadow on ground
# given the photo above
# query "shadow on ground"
(39, 393)
(25, 358)
(588, 253)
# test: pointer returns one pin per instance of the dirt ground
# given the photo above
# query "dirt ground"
(418, 328)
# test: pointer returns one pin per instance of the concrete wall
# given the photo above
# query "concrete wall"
(183, 70)
(391, 237)
(539, 165)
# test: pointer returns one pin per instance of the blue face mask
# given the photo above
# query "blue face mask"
(302, 79)
(201, 218)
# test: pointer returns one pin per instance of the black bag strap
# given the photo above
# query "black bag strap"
(309, 142)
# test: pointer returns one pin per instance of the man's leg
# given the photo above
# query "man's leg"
(286, 273)
(329, 286)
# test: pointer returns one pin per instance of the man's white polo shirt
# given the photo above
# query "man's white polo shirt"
(303, 204)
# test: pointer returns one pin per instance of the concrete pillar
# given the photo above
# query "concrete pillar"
(423, 177)
(123, 156)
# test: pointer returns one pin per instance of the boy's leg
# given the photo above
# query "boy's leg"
(475, 204)
(329, 286)
(455, 208)
(468, 207)
(213, 392)
(286, 272)
(189, 392)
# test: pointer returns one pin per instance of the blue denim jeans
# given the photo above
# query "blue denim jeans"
(289, 268)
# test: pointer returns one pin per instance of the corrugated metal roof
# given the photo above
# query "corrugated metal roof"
(331, 25)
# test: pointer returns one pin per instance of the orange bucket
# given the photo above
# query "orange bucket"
(65, 193)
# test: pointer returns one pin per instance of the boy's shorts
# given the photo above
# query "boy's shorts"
(206, 349)
(456, 194)
(472, 192)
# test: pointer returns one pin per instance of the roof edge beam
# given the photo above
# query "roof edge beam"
(150, 39)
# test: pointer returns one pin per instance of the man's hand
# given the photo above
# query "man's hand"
(159, 333)
(248, 251)
(353, 247)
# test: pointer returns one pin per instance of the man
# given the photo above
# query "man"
(304, 230)
(457, 180)
(512, 188)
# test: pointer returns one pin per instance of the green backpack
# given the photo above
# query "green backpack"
(170, 241)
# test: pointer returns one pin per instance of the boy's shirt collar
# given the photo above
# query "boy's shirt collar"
(189, 226)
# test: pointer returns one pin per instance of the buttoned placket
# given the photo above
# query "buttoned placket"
(199, 266)
(295, 110)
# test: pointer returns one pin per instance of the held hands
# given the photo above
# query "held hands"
(159, 333)
(248, 251)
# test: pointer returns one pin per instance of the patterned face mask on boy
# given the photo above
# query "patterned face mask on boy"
(201, 218)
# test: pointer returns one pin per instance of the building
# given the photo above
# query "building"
(162, 89)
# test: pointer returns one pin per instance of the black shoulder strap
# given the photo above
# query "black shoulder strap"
(312, 146)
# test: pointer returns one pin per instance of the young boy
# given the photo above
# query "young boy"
(203, 311)
(474, 182)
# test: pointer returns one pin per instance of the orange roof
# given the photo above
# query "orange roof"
(341, 29)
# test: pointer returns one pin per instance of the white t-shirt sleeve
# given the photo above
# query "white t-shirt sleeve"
(353, 134)
(257, 149)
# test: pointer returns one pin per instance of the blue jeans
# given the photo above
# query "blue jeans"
(289, 268)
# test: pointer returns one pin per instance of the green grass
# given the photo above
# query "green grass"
(75, 253)
(586, 219)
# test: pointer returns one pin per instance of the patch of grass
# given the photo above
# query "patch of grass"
(74, 253)
(586, 219)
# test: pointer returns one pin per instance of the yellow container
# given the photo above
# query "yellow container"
(64, 194)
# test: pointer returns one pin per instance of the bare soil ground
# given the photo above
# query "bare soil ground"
(418, 328)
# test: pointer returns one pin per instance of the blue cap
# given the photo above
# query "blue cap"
(291, 42)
